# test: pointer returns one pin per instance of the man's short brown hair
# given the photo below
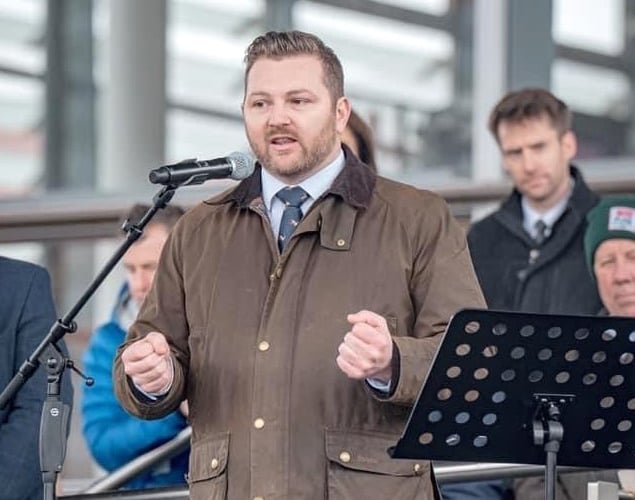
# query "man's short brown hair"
(530, 103)
(281, 44)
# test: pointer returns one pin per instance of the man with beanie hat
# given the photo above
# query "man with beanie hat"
(609, 245)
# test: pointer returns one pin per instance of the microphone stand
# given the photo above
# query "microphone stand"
(55, 413)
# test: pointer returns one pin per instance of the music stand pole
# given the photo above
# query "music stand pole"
(548, 431)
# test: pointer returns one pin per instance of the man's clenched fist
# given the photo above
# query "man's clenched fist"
(366, 351)
(148, 363)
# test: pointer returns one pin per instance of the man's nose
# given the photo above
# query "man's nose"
(623, 271)
(278, 115)
(140, 282)
(528, 160)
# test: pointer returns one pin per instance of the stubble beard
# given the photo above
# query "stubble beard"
(311, 160)
(553, 191)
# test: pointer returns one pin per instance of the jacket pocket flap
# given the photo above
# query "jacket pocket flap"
(368, 451)
(208, 458)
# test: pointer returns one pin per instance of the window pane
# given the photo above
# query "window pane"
(397, 74)
(437, 7)
(21, 145)
(574, 82)
(206, 44)
(193, 135)
(589, 24)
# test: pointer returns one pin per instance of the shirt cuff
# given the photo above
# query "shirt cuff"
(379, 385)
(154, 396)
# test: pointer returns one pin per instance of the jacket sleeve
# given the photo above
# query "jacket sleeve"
(19, 434)
(113, 436)
(442, 283)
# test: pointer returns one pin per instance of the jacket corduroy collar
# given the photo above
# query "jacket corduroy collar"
(354, 185)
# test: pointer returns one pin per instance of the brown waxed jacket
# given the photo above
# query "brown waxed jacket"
(254, 337)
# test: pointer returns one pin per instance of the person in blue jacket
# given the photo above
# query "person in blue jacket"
(115, 437)
(27, 313)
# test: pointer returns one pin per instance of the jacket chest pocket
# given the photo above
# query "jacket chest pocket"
(208, 467)
(358, 466)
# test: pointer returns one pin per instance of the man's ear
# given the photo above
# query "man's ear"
(569, 143)
(342, 112)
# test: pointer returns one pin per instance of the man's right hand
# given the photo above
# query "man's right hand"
(148, 363)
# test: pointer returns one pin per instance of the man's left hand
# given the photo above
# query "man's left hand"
(366, 352)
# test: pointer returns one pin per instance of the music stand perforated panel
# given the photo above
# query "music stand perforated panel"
(479, 401)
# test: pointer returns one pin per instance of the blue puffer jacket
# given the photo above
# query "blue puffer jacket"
(113, 436)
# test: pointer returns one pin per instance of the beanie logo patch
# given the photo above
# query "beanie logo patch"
(622, 219)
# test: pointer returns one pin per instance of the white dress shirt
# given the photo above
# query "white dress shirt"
(315, 186)
(550, 217)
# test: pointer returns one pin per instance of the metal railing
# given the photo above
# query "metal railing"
(62, 216)
(143, 463)
(444, 473)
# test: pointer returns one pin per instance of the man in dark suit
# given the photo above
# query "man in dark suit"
(26, 315)
(528, 254)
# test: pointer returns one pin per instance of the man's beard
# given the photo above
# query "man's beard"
(312, 156)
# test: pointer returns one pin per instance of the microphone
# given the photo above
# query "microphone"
(191, 172)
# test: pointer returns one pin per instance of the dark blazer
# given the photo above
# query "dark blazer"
(26, 315)
(517, 275)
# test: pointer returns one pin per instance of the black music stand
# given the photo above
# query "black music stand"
(528, 388)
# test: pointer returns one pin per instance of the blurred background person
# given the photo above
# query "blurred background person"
(28, 313)
(115, 437)
(609, 245)
(528, 254)
(358, 136)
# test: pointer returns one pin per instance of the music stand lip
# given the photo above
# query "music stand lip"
(587, 359)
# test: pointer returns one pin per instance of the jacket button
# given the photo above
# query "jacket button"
(340, 242)
(417, 468)
(345, 457)
(214, 463)
(263, 346)
(259, 423)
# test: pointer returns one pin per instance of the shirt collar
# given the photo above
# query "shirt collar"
(316, 185)
(531, 215)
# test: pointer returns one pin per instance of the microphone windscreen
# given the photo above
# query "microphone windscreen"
(243, 165)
